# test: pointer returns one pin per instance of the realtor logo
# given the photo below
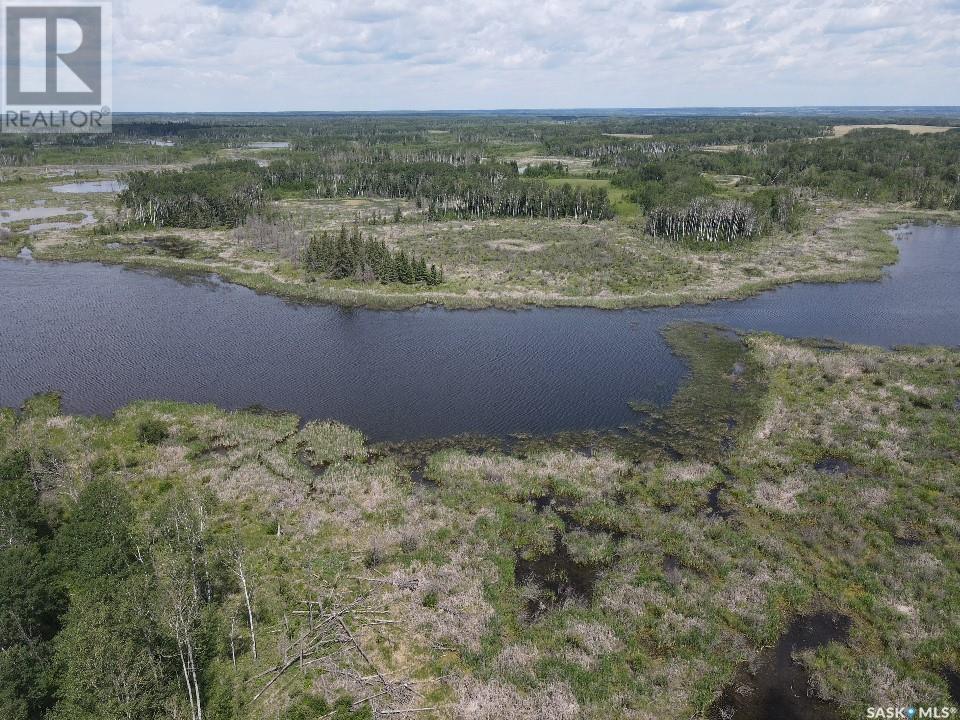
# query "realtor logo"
(56, 67)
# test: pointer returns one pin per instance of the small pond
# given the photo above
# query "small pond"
(90, 186)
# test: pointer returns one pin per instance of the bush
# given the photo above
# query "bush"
(151, 432)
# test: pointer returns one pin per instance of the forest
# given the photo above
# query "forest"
(224, 194)
(464, 167)
(218, 194)
(106, 616)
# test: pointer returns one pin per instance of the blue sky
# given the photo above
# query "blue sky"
(260, 55)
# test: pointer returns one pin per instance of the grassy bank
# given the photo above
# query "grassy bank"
(557, 581)
(515, 263)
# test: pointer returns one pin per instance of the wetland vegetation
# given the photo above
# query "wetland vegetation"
(296, 570)
(779, 536)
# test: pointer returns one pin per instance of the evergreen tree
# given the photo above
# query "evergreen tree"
(94, 547)
(420, 272)
(404, 269)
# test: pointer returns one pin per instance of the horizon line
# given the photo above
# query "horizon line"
(562, 109)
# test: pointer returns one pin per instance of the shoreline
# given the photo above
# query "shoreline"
(881, 252)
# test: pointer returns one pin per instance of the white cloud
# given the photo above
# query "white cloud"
(426, 54)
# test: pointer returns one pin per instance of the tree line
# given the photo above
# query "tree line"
(225, 194)
(214, 195)
(350, 255)
(472, 190)
(876, 165)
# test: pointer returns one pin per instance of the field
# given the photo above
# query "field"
(841, 130)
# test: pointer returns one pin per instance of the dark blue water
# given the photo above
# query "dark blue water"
(105, 336)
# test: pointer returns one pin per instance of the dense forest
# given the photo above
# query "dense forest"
(224, 194)
(106, 616)
(872, 165)
(96, 621)
(218, 194)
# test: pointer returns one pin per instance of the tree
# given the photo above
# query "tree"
(30, 598)
(181, 570)
(94, 547)
(404, 269)
(109, 657)
(242, 574)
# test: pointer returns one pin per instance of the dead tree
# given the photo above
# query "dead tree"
(241, 574)
(328, 640)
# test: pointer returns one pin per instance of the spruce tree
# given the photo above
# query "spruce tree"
(404, 270)
(420, 273)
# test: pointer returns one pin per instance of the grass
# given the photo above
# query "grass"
(680, 596)
(624, 208)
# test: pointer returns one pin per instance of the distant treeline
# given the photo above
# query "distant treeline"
(447, 164)
(350, 255)
(224, 194)
(873, 165)
(479, 190)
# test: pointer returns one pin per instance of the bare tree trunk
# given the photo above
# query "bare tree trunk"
(186, 677)
(246, 595)
(233, 644)
(196, 685)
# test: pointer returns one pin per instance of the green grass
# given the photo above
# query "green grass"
(622, 206)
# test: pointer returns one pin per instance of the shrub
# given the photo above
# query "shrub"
(151, 432)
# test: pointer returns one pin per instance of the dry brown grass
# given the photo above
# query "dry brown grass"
(574, 164)
(841, 130)
(635, 136)
(720, 148)
(497, 701)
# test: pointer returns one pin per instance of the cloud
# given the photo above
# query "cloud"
(685, 6)
(237, 5)
(428, 54)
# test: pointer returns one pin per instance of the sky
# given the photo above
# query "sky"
(273, 55)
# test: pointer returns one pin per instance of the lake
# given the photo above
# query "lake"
(105, 336)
